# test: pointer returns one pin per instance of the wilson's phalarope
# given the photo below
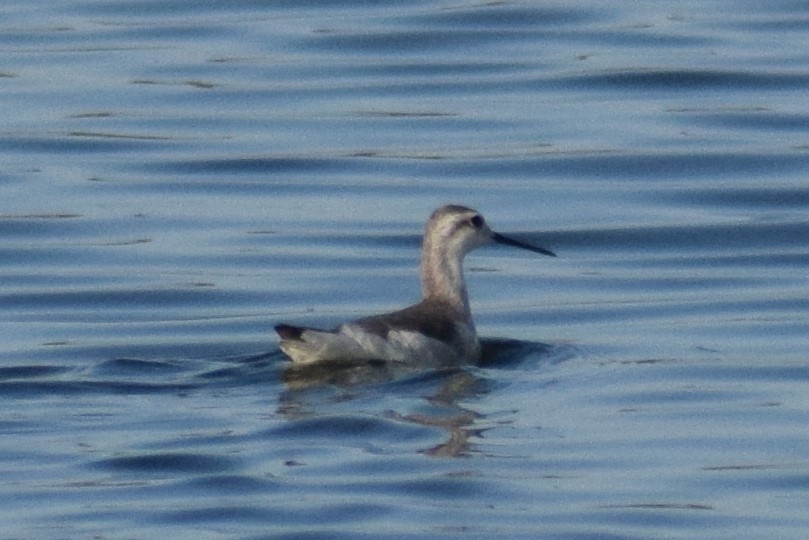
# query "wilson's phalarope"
(438, 331)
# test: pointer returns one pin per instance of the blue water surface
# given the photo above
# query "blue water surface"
(179, 176)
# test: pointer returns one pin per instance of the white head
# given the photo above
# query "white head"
(457, 230)
(452, 232)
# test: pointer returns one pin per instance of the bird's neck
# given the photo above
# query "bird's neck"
(442, 279)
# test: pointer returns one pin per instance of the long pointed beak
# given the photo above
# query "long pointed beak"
(500, 239)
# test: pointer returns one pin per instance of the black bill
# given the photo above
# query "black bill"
(500, 239)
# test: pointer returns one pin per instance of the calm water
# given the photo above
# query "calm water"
(178, 176)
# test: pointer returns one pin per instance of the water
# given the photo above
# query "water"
(179, 176)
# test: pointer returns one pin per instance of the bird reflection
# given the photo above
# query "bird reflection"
(448, 387)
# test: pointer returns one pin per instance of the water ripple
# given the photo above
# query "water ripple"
(169, 464)
(181, 175)
(689, 80)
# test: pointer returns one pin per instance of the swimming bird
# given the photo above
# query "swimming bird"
(438, 331)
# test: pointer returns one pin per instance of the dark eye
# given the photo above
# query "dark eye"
(477, 222)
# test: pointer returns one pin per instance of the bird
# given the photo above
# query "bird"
(439, 331)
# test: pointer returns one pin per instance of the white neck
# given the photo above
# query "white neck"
(442, 277)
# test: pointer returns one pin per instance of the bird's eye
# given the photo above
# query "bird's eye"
(477, 222)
